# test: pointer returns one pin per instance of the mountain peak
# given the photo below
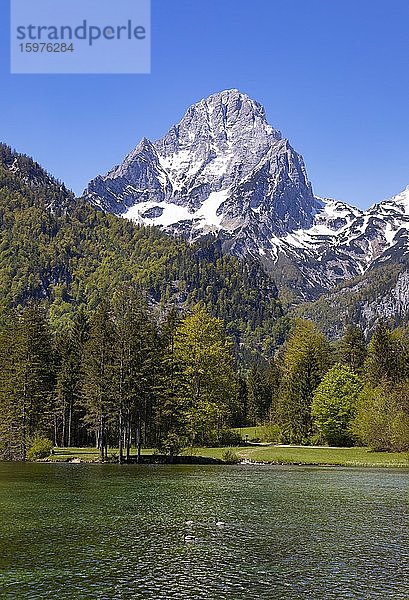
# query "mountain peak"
(221, 168)
(235, 101)
(229, 115)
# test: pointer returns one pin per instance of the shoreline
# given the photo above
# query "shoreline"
(245, 455)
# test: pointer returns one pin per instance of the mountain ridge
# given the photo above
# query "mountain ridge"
(224, 170)
(61, 252)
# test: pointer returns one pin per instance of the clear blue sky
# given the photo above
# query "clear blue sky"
(333, 76)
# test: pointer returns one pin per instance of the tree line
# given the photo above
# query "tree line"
(119, 377)
(344, 393)
(126, 375)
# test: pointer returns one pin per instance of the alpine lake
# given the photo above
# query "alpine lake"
(90, 531)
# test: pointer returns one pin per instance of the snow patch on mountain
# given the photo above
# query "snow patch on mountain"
(168, 214)
(223, 169)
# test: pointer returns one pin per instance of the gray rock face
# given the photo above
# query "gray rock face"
(345, 242)
(223, 163)
(224, 170)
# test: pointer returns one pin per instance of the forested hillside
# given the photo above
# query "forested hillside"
(64, 253)
(382, 293)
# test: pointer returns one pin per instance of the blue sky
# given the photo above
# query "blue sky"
(333, 76)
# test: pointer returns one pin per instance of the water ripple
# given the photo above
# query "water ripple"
(109, 532)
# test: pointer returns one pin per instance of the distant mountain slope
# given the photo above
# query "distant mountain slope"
(62, 251)
(224, 170)
(382, 293)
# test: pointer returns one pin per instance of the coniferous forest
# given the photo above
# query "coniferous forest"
(115, 335)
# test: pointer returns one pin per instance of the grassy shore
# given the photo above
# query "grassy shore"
(313, 456)
(267, 454)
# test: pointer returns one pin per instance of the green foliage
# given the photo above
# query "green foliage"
(384, 359)
(62, 251)
(352, 349)
(371, 424)
(206, 380)
(306, 359)
(258, 395)
(334, 405)
(270, 433)
(40, 447)
(263, 381)
(399, 431)
(222, 437)
(172, 444)
(69, 359)
(99, 375)
(26, 379)
(230, 457)
(382, 419)
(116, 334)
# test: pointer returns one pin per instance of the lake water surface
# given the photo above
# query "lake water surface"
(293, 533)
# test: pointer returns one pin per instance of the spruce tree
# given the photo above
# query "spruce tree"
(27, 380)
(135, 368)
(259, 394)
(306, 360)
(99, 377)
(383, 362)
(69, 385)
(352, 348)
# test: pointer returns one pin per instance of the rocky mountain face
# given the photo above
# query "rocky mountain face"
(382, 293)
(223, 170)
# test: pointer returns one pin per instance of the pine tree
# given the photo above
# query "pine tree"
(69, 386)
(99, 377)
(259, 394)
(383, 362)
(135, 369)
(27, 380)
(352, 348)
(274, 376)
(306, 360)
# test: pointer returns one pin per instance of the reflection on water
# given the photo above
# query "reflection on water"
(293, 533)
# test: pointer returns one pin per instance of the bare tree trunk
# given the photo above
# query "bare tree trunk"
(69, 423)
(138, 438)
(101, 438)
(63, 427)
(55, 431)
(128, 436)
(120, 437)
(24, 431)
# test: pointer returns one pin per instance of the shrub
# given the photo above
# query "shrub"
(223, 437)
(399, 432)
(270, 433)
(230, 457)
(173, 444)
(40, 447)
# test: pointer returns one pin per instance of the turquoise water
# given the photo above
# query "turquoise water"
(95, 531)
